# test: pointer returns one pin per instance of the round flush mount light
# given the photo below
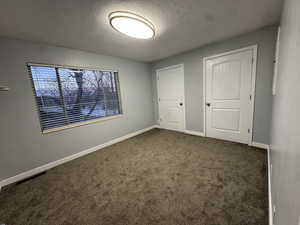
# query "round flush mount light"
(131, 25)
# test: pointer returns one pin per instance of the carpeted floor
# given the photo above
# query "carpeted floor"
(159, 177)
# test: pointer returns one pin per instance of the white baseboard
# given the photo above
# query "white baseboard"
(48, 166)
(196, 133)
(270, 204)
(270, 188)
(163, 128)
(260, 145)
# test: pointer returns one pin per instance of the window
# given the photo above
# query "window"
(69, 96)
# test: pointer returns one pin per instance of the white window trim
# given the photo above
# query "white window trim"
(276, 60)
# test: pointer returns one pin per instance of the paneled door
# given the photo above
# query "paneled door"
(229, 96)
(170, 87)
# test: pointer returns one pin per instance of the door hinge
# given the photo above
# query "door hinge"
(250, 97)
(159, 99)
(249, 131)
(252, 60)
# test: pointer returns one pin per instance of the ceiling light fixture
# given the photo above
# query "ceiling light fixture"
(131, 25)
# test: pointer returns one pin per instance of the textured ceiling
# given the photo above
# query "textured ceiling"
(181, 25)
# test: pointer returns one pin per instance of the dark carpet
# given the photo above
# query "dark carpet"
(159, 177)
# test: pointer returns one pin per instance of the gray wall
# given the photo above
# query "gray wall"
(285, 131)
(23, 147)
(192, 60)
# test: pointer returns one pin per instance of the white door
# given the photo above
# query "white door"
(170, 86)
(228, 96)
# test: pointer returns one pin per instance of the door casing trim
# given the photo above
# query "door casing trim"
(181, 65)
(254, 65)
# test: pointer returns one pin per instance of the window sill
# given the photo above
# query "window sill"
(81, 123)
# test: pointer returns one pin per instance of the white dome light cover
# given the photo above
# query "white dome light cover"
(131, 25)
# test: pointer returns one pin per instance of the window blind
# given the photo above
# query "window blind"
(67, 95)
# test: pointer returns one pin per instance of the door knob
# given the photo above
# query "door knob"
(181, 104)
(208, 104)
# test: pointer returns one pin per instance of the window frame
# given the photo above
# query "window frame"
(75, 124)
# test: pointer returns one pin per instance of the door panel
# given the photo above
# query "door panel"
(228, 89)
(226, 119)
(170, 85)
(226, 80)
